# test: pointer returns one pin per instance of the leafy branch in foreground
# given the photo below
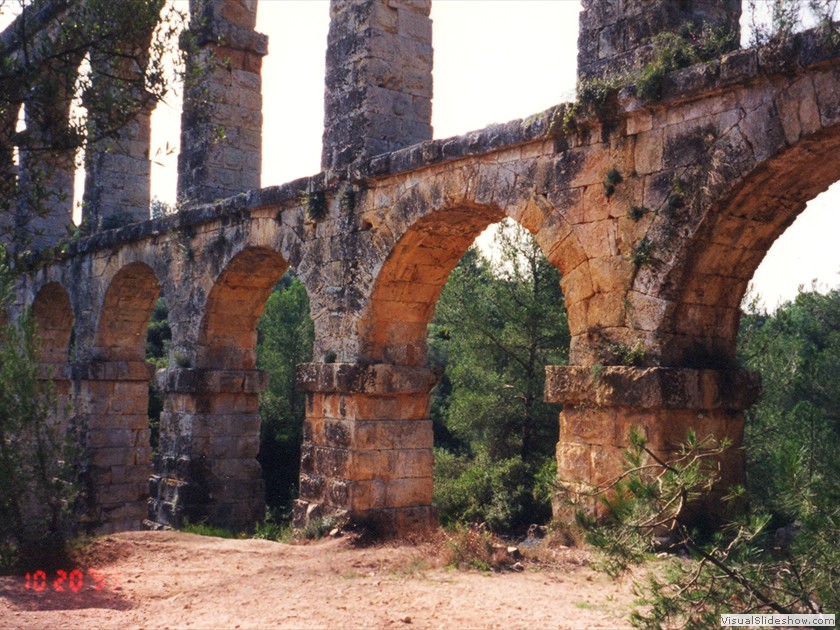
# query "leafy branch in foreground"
(37, 477)
(741, 568)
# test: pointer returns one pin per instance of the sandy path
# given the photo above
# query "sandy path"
(177, 580)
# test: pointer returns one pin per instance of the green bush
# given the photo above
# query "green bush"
(745, 567)
(274, 528)
(37, 462)
(507, 495)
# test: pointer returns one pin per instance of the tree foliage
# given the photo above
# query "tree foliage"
(129, 51)
(76, 73)
(495, 329)
(158, 340)
(793, 433)
(37, 476)
(285, 339)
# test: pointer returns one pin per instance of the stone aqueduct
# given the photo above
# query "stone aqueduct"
(711, 174)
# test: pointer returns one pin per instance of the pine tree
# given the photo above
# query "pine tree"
(285, 339)
(496, 326)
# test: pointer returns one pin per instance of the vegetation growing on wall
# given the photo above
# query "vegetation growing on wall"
(788, 16)
(680, 49)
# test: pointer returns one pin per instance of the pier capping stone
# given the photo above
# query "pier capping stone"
(210, 381)
(652, 387)
(124, 371)
(360, 378)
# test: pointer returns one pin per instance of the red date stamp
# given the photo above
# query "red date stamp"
(71, 581)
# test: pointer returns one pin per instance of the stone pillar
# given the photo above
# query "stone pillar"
(46, 173)
(367, 446)
(614, 34)
(379, 79)
(118, 176)
(602, 406)
(118, 168)
(209, 440)
(112, 417)
(8, 184)
(221, 122)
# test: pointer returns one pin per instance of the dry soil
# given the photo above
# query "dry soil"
(179, 580)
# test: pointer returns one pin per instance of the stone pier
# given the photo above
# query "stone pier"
(602, 406)
(367, 451)
(209, 440)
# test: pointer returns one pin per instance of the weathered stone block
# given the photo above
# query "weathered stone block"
(408, 492)
(587, 425)
(574, 462)
(236, 469)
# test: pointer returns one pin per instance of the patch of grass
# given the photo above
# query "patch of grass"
(414, 566)
(630, 356)
(470, 548)
(277, 532)
(319, 527)
(277, 527)
(203, 529)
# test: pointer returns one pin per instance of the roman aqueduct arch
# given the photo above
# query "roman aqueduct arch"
(711, 174)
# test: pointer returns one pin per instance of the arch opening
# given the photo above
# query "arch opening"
(228, 335)
(52, 312)
(488, 319)
(792, 434)
(125, 314)
(285, 340)
(53, 315)
(393, 329)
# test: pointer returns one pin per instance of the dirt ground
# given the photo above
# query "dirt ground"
(178, 580)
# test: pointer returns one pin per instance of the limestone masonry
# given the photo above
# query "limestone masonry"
(702, 182)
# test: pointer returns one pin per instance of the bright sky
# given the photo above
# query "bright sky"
(495, 60)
